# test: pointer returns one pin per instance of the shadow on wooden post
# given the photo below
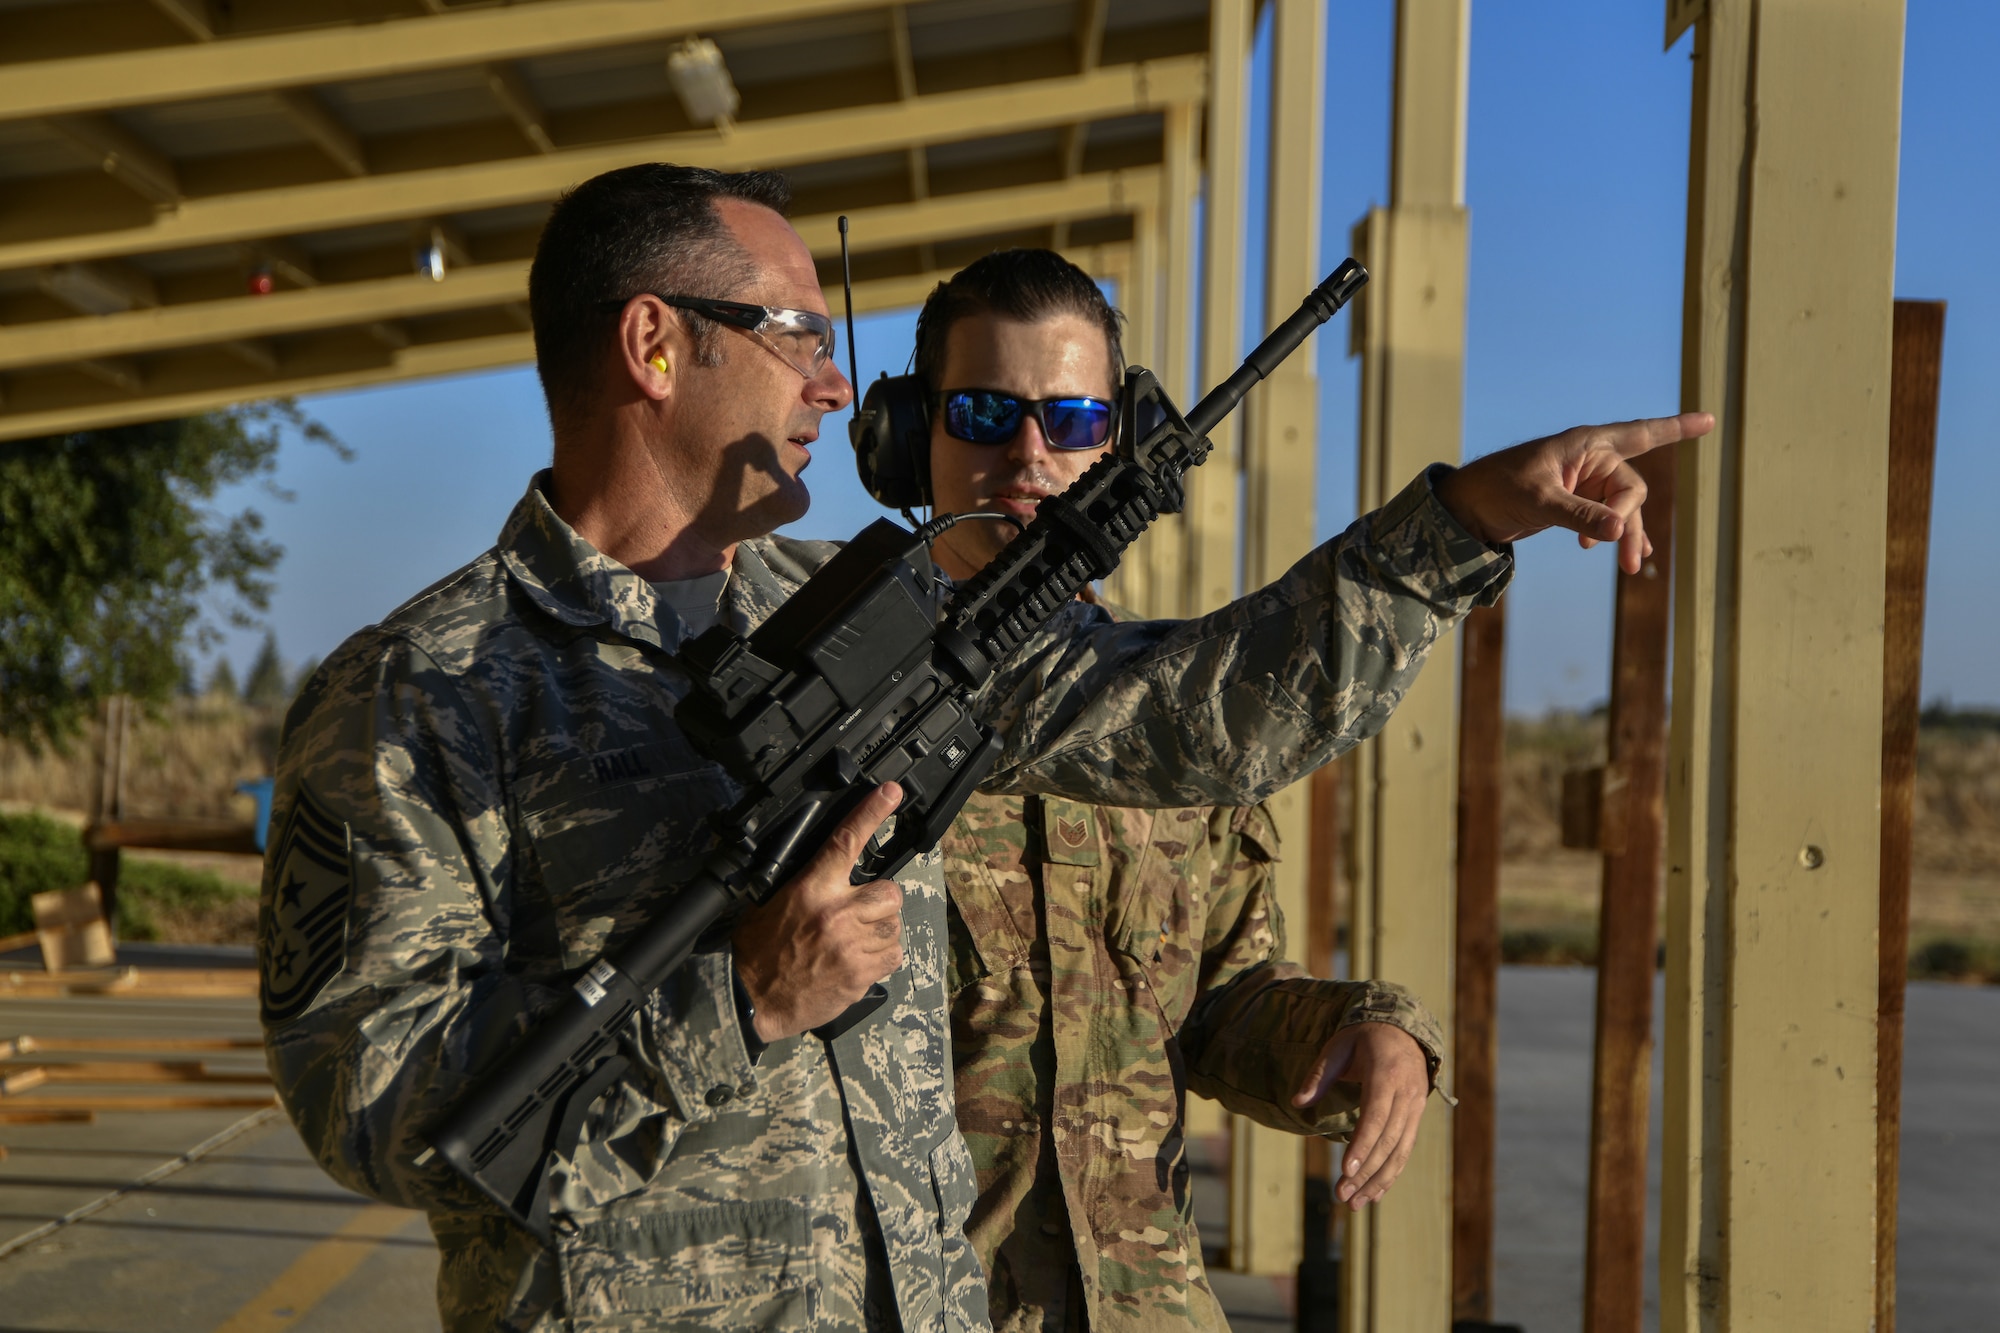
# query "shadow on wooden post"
(1915, 363)
(1318, 1291)
(1631, 834)
(1476, 1041)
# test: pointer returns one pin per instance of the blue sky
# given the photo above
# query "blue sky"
(1576, 179)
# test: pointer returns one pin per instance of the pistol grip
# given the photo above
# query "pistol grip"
(855, 1015)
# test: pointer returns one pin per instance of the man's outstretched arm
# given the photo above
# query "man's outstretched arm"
(1226, 708)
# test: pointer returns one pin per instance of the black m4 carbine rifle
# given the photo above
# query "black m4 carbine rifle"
(855, 681)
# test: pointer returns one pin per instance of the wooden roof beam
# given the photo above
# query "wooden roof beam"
(351, 303)
(136, 165)
(197, 18)
(776, 142)
(917, 161)
(422, 361)
(374, 50)
(899, 46)
(1102, 261)
(283, 258)
(419, 361)
(371, 302)
(388, 332)
(511, 91)
(317, 123)
(121, 374)
(1090, 17)
(254, 353)
(102, 288)
(977, 213)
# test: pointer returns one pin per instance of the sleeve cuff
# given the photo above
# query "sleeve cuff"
(1423, 534)
(1386, 1002)
(700, 1038)
(746, 1016)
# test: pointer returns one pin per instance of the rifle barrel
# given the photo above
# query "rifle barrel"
(1315, 310)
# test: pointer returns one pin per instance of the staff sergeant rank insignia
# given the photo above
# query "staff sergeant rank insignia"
(304, 939)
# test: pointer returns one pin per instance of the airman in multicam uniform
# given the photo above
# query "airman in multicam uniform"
(479, 794)
(1104, 961)
(1110, 961)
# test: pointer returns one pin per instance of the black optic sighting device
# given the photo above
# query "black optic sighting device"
(855, 681)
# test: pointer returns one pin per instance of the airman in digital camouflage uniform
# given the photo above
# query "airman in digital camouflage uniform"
(1104, 960)
(483, 791)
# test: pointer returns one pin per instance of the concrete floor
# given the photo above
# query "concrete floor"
(1949, 1231)
(250, 1235)
(243, 1236)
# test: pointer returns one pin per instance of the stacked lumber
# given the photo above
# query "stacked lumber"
(139, 983)
(53, 1079)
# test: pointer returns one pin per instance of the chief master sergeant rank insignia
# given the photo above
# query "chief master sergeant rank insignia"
(304, 943)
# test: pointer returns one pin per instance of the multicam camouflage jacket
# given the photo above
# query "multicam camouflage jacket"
(1103, 962)
(478, 795)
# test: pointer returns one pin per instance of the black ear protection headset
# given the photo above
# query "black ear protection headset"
(891, 433)
(891, 429)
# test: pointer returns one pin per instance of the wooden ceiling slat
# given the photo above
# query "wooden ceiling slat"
(1004, 108)
(404, 296)
(322, 140)
(422, 361)
(372, 50)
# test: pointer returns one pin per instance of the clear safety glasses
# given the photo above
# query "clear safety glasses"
(802, 339)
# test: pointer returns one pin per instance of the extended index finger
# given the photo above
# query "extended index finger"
(1632, 438)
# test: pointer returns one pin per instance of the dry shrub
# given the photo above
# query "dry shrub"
(1539, 751)
(1957, 802)
(224, 921)
(183, 762)
(1957, 816)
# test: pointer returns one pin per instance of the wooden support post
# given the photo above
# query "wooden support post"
(1628, 924)
(1475, 1047)
(1141, 293)
(1913, 410)
(1267, 1166)
(1397, 1266)
(1165, 544)
(1319, 1270)
(1131, 584)
(1323, 877)
(1775, 758)
(1210, 523)
(110, 803)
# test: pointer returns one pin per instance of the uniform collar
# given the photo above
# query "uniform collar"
(574, 581)
(578, 584)
(755, 589)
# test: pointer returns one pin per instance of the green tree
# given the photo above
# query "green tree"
(109, 554)
(222, 680)
(267, 685)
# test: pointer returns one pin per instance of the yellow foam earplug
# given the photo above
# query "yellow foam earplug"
(660, 363)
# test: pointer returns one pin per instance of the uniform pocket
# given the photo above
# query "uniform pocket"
(991, 918)
(956, 1182)
(613, 834)
(729, 1265)
(1159, 900)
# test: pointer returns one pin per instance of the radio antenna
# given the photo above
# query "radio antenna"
(847, 297)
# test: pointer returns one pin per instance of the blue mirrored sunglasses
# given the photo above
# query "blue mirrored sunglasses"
(987, 416)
